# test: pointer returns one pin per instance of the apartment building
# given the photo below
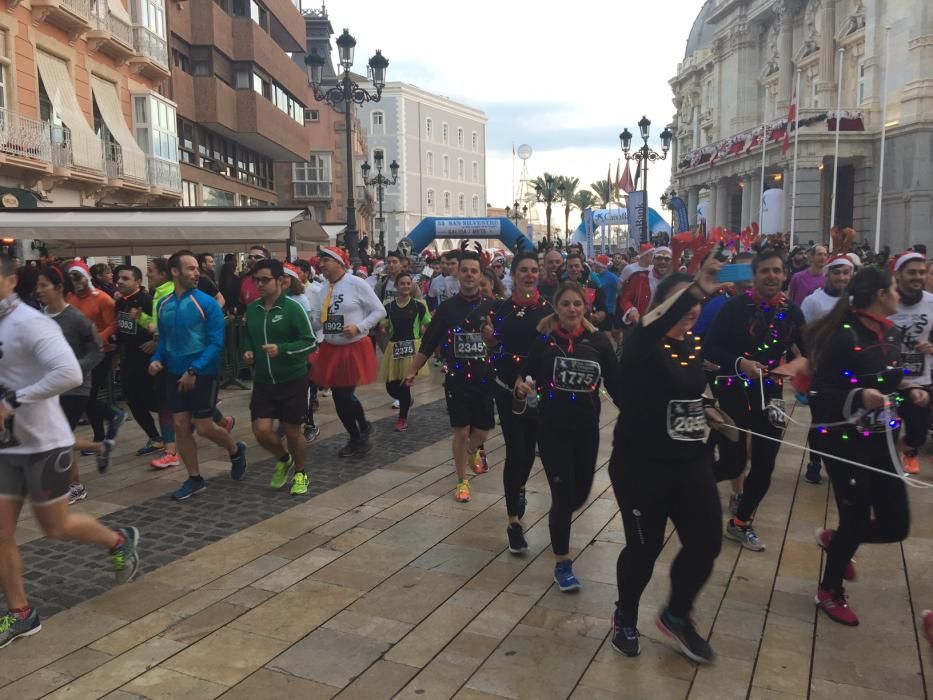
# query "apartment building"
(82, 122)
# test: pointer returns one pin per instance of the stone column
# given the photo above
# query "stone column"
(786, 67)
(827, 82)
(712, 209)
(754, 197)
(693, 198)
(808, 213)
(722, 203)
(746, 200)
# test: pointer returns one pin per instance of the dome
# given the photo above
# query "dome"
(702, 32)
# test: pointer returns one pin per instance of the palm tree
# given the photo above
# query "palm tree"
(603, 190)
(584, 199)
(547, 188)
(568, 190)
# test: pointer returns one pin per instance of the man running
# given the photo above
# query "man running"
(447, 285)
(384, 283)
(808, 280)
(191, 340)
(277, 341)
(206, 281)
(36, 452)
(550, 280)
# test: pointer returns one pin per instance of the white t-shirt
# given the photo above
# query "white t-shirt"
(817, 305)
(443, 288)
(353, 300)
(915, 322)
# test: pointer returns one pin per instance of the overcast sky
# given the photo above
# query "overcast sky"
(563, 77)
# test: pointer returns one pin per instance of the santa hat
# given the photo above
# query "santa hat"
(291, 270)
(602, 259)
(663, 249)
(79, 266)
(907, 257)
(335, 253)
(838, 261)
(645, 248)
(856, 260)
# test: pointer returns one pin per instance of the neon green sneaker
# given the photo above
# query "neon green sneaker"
(299, 484)
(281, 473)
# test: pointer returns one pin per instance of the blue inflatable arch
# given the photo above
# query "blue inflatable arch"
(434, 227)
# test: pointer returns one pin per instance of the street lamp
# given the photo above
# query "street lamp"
(380, 182)
(345, 92)
(515, 213)
(643, 155)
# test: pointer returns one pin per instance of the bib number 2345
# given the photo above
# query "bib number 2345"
(469, 346)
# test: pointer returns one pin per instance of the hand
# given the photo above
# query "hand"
(249, 357)
(5, 412)
(706, 277)
(750, 368)
(350, 331)
(631, 316)
(597, 317)
(149, 347)
(271, 349)
(487, 332)
(409, 379)
(186, 382)
(134, 313)
(155, 367)
(522, 389)
(872, 399)
(918, 397)
(925, 347)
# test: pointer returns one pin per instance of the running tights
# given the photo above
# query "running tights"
(648, 494)
(568, 453)
(140, 394)
(520, 434)
(97, 411)
(349, 410)
(401, 393)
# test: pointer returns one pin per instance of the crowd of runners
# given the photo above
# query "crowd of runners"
(700, 364)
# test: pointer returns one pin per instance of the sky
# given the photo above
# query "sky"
(561, 77)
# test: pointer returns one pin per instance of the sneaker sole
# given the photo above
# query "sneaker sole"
(80, 498)
(622, 652)
(193, 493)
(573, 588)
(745, 545)
(29, 633)
(520, 550)
(134, 532)
(679, 645)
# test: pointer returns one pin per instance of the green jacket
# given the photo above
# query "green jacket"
(163, 290)
(286, 325)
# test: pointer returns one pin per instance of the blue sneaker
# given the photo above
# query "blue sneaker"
(194, 484)
(125, 557)
(563, 575)
(119, 418)
(150, 447)
(12, 626)
(238, 462)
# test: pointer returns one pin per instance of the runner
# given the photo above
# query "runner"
(750, 336)
(52, 287)
(807, 281)
(567, 362)
(498, 268)
(191, 340)
(277, 340)
(853, 350)
(405, 320)
(513, 329)
(206, 282)
(550, 273)
(383, 284)
(36, 452)
(447, 284)
(639, 280)
(456, 330)
(348, 311)
(660, 467)
(595, 296)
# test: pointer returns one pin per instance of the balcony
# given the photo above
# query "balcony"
(116, 167)
(268, 130)
(62, 150)
(72, 16)
(152, 59)
(251, 43)
(111, 35)
(313, 190)
(164, 176)
(24, 142)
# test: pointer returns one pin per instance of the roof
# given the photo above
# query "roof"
(702, 32)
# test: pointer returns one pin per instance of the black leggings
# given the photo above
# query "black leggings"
(568, 453)
(859, 492)
(140, 393)
(401, 393)
(520, 434)
(349, 410)
(648, 493)
(97, 411)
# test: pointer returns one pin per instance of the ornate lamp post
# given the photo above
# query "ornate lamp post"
(643, 155)
(345, 92)
(380, 182)
(516, 213)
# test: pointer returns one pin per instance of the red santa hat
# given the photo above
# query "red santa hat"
(645, 248)
(663, 249)
(838, 261)
(907, 257)
(335, 253)
(79, 266)
(291, 270)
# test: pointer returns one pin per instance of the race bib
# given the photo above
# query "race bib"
(686, 420)
(334, 324)
(469, 346)
(402, 349)
(880, 419)
(912, 362)
(775, 410)
(573, 374)
(126, 324)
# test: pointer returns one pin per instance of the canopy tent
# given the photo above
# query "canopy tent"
(103, 232)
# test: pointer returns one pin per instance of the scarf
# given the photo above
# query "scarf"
(525, 301)
(883, 323)
(569, 336)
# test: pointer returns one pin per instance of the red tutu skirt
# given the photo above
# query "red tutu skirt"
(337, 366)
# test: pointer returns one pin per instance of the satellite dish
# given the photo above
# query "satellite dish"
(524, 151)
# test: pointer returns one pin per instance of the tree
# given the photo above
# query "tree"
(584, 199)
(603, 190)
(547, 188)
(568, 191)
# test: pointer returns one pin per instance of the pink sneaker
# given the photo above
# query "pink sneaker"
(834, 604)
(401, 425)
(823, 537)
(926, 620)
(165, 461)
(228, 423)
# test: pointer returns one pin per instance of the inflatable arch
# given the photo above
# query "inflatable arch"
(432, 227)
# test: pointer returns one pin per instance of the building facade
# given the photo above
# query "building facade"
(737, 83)
(82, 121)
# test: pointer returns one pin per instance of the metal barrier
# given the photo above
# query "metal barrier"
(233, 355)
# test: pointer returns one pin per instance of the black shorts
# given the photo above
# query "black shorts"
(44, 476)
(200, 402)
(73, 407)
(470, 407)
(287, 402)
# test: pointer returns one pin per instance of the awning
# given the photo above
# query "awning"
(333, 230)
(108, 102)
(102, 232)
(116, 8)
(85, 146)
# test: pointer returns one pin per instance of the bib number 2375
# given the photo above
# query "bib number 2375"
(573, 374)
(469, 346)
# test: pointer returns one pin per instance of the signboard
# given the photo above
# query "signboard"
(636, 210)
(467, 228)
(602, 217)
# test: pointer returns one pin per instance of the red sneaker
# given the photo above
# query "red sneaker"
(834, 604)
(401, 425)
(911, 463)
(823, 537)
(165, 461)
(926, 620)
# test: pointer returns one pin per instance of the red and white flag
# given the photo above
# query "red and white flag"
(791, 119)
(626, 184)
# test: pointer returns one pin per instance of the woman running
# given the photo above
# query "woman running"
(856, 363)
(660, 467)
(509, 336)
(568, 361)
(406, 317)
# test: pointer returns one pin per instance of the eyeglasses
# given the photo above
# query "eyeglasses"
(262, 280)
(255, 257)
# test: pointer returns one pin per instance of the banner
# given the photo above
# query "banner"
(636, 215)
(468, 228)
(617, 217)
(679, 207)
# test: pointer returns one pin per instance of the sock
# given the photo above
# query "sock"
(22, 613)
(119, 543)
(739, 523)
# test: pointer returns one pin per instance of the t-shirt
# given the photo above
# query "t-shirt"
(206, 285)
(916, 323)
(131, 333)
(803, 284)
(85, 343)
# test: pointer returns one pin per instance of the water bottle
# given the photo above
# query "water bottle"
(532, 399)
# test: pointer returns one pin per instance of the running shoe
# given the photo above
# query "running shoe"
(745, 535)
(238, 462)
(366, 431)
(168, 459)
(311, 432)
(834, 604)
(813, 472)
(911, 463)
(193, 485)
(124, 556)
(823, 537)
(462, 494)
(926, 621)
(478, 461)
(396, 405)
(325, 393)
(623, 638)
(401, 425)
(228, 423)
(150, 447)
(517, 542)
(299, 484)
(734, 503)
(105, 456)
(354, 448)
(563, 575)
(76, 492)
(685, 637)
(280, 476)
(13, 626)
(88, 453)
(119, 418)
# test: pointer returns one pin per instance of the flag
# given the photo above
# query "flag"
(612, 189)
(791, 118)
(625, 184)
(615, 183)
(513, 150)
(637, 175)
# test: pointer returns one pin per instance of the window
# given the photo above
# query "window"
(189, 193)
(475, 144)
(430, 163)
(445, 133)
(475, 171)
(862, 73)
(151, 15)
(186, 153)
(47, 111)
(217, 198)
(378, 119)
(201, 68)
(445, 171)
(447, 202)
(708, 97)
(429, 129)
(460, 137)
(2, 86)
(312, 115)
(814, 97)
(460, 171)
(181, 61)
(312, 179)
(156, 127)
(430, 200)
(475, 205)
(461, 204)
(226, 157)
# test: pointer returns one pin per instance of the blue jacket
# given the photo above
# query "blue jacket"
(191, 333)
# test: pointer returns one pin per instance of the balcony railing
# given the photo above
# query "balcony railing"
(82, 8)
(150, 45)
(106, 21)
(164, 174)
(25, 137)
(313, 190)
(62, 152)
(112, 155)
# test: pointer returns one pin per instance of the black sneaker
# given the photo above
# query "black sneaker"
(813, 472)
(366, 431)
(517, 542)
(311, 432)
(354, 448)
(624, 637)
(685, 638)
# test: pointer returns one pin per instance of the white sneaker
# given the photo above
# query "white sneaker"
(76, 492)
(325, 393)
(396, 405)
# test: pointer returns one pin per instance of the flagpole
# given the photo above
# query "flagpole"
(884, 128)
(832, 211)
(513, 170)
(793, 196)
(761, 194)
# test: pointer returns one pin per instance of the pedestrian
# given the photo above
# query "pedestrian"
(248, 291)
(550, 274)
(206, 281)
(807, 281)
(102, 276)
